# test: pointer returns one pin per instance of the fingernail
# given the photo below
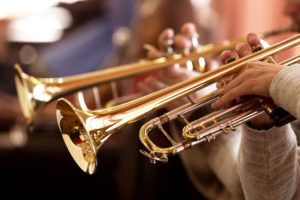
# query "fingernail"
(253, 39)
(226, 53)
(220, 84)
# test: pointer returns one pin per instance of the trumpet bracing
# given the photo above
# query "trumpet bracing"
(35, 93)
(209, 126)
(84, 132)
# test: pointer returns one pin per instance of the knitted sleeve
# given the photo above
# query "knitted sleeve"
(268, 165)
(285, 89)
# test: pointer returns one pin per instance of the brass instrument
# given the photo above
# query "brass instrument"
(84, 132)
(35, 93)
(209, 126)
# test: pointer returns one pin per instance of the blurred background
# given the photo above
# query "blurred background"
(52, 38)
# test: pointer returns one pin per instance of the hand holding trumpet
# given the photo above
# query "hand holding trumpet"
(254, 79)
(170, 43)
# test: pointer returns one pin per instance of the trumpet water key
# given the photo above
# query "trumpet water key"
(85, 131)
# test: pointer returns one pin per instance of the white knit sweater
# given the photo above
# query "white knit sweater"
(250, 164)
(268, 160)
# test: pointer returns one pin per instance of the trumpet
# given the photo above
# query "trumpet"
(209, 126)
(84, 132)
(35, 93)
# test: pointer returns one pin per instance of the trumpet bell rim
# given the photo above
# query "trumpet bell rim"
(77, 139)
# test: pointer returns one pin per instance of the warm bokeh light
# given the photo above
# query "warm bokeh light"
(34, 20)
(14, 6)
(45, 25)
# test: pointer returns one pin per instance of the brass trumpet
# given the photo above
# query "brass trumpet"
(85, 131)
(35, 93)
(209, 126)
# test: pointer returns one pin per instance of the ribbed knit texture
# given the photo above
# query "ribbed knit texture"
(285, 89)
(268, 164)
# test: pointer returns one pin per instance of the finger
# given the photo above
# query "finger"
(243, 49)
(241, 78)
(228, 56)
(144, 88)
(188, 29)
(229, 96)
(172, 72)
(223, 82)
(166, 35)
(152, 52)
(182, 44)
(175, 74)
(155, 83)
(220, 84)
(254, 42)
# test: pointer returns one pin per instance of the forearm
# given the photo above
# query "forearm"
(285, 90)
(268, 164)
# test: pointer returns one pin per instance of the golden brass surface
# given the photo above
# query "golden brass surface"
(94, 127)
(208, 127)
(35, 93)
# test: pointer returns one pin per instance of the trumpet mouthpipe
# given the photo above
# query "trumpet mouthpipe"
(35, 93)
(223, 120)
(224, 127)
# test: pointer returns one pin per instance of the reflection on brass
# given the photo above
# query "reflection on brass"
(210, 126)
(35, 93)
(97, 125)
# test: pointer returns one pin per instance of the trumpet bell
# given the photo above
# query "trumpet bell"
(78, 141)
(24, 85)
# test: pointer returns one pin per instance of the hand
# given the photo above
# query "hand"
(254, 79)
(181, 43)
